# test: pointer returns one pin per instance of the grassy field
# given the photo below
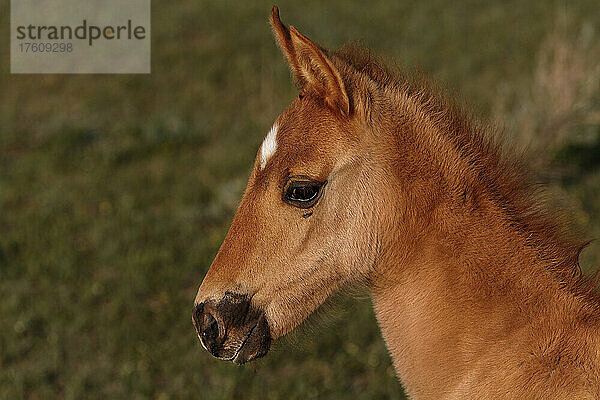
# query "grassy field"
(116, 191)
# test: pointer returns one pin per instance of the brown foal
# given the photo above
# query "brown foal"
(369, 177)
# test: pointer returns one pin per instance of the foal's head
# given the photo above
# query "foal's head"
(304, 226)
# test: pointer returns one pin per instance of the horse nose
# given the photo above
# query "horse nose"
(208, 328)
(231, 328)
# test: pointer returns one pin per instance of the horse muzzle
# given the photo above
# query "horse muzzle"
(232, 329)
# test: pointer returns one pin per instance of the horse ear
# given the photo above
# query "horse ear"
(312, 69)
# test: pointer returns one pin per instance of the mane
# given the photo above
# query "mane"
(494, 168)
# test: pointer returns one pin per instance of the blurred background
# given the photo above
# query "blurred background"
(116, 190)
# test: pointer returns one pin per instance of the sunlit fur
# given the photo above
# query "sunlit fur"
(475, 282)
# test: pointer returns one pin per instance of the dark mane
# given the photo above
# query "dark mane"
(494, 168)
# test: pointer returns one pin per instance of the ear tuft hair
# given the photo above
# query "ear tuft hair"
(311, 67)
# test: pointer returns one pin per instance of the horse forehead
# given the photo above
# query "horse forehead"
(301, 130)
(305, 132)
(306, 116)
(302, 144)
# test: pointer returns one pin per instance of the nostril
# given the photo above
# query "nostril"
(197, 317)
(207, 327)
(210, 331)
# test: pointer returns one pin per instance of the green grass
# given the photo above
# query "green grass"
(116, 191)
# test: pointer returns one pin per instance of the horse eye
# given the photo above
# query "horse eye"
(302, 194)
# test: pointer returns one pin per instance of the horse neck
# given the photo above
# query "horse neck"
(440, 310)
(451, 284)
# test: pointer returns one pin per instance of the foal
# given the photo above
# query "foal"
(367, 178)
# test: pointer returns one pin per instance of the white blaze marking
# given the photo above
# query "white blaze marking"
(269, 145)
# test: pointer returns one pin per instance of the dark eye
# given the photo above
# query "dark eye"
(302, 193)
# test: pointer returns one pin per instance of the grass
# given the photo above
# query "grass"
(116, 191)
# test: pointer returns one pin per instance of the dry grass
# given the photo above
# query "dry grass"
(563, 94)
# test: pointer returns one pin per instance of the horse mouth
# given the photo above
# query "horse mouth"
(241, 356)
